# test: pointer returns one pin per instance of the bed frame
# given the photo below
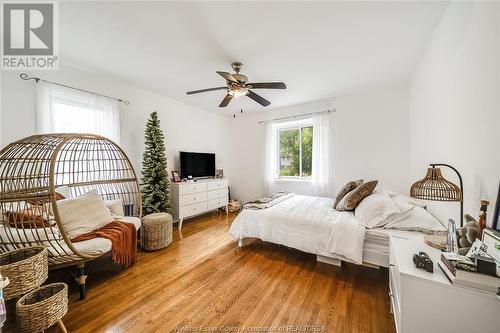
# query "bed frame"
(372, 259)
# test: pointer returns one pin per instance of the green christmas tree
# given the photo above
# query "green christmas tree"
(155, 183)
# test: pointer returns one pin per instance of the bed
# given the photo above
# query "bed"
(311, 225)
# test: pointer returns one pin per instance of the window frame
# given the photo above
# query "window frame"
(287, 127)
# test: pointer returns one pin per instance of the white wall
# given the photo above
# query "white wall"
(455, 103)
(370, 140)
(185, 127)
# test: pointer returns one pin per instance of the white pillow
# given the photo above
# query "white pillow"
(399, 197)
(115, 207)
(402, 199)
(64, 191)
(83, 214)
(419, 220)
(373, 210)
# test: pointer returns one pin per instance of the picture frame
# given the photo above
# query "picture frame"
(491, 239)
(219, 173)
(176, 177)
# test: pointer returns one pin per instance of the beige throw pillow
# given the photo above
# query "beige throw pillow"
(346, 189)
(115, 206)
(351, 200)
(83, 214)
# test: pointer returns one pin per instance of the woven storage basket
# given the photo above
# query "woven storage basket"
(43, 307)
(26, 269)
(156, 231)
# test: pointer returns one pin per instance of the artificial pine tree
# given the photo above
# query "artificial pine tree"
(155, 182)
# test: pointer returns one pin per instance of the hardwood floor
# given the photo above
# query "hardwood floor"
(203, 282)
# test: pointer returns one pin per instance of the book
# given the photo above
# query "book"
(456, 261)
(474, 280)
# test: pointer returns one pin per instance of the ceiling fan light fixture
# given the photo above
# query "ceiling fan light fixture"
(238, 91)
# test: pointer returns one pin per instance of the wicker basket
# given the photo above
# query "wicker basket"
(26, 269)
(156, 231)
(43, 307)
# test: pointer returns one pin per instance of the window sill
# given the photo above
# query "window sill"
(297, 180)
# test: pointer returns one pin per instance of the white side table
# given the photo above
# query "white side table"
(428, 302)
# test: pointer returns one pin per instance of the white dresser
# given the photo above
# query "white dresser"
(428, 302)
(193, 198)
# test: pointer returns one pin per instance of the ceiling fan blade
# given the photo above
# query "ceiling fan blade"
(225, 101)
(259, 99)
(227, 76)
(267, 85)
(205, 90)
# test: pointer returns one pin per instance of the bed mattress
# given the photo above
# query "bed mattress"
(376, 246)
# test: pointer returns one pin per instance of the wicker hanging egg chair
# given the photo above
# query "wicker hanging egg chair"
(33, 169)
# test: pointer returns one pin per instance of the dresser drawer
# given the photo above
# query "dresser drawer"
(221, 193)
(189, 199)
(213, 204)
(194, 209)
(217, 184)
(191, 188)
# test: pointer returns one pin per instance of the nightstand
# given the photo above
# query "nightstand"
(428, 302)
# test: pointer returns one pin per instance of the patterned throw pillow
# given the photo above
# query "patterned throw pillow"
(27, 219)
(346, 189)
(351, 200)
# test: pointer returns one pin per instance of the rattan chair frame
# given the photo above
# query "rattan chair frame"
(33, 168)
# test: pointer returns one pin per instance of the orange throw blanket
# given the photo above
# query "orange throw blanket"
(123, 237)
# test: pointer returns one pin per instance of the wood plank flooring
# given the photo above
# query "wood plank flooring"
(202, 282)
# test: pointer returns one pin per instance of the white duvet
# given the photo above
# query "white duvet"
(309, 224)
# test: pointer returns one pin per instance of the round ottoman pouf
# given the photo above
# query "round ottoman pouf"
(43, 307)
(156, 231)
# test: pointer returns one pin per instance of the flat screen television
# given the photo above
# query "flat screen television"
(197, 165)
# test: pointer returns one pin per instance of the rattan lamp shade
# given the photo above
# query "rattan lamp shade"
(435, 187)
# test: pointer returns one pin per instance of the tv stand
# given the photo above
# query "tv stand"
(194, 198)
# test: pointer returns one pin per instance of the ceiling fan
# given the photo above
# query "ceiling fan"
(237, 85)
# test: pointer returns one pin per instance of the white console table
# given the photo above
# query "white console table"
(193, 198)
(428, 302)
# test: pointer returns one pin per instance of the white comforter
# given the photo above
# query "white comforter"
(309, 224)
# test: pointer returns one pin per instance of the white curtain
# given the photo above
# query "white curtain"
(65, 110)
(322, 175)
(271, 158)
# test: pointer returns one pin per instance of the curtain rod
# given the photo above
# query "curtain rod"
(25, 76)
(297, 116)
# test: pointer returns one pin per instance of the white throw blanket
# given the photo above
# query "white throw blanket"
(268, 201)
(309, 224)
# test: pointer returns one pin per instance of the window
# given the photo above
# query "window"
(65, 110)
(295, 151)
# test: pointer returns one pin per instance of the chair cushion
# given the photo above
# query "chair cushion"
(83, 214)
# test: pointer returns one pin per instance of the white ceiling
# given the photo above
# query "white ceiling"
(319, 49)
